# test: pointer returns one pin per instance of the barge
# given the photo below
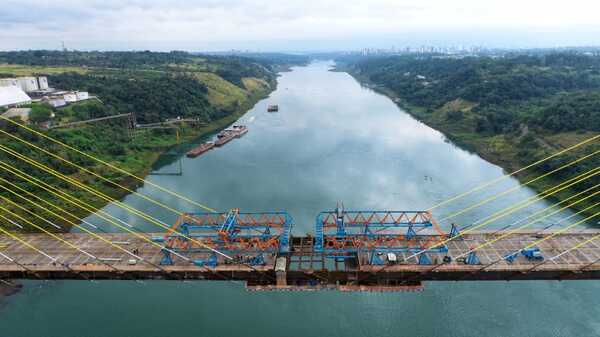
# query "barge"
(225, 137)
(202, 148)
(240, 130)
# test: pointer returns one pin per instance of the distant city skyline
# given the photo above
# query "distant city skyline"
(295, 26)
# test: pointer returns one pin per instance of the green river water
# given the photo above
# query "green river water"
(332, 140)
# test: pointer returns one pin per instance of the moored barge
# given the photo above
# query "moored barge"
(202, 148)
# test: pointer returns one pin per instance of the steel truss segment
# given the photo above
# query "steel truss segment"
(348, 233)
(235, 232)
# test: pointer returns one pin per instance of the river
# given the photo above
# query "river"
(332, 141)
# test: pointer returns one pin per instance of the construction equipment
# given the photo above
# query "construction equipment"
(342, 234)
(247, 238)
(533, 254)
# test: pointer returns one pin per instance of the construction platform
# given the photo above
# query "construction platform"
(303, 268)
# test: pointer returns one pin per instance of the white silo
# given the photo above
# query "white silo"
(28, 84)
(9, 82)
(43, 82)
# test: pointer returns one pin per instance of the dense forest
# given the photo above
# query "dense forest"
(155, 86)
(556, 91)
(151, 99)
(149, 60)
(512, 109)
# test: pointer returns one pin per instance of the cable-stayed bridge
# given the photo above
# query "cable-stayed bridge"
(304, 268)
(350, 250)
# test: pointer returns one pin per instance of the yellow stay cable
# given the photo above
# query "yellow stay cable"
(577, 246)
(20, 174)
(550, 207)
(517, 206)
(110, 165)
(562, 230)
(54, 236)
(39, 183)
(63, 218)
(180, 213)
(459, 196)
(496, 196)
(506, 176)
(107, 198)
(15, 237)
(141, 195)
(513, 231)
(511, 209)
(77, 202)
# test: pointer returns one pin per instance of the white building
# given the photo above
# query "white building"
(82, 95)
(28, 83)
(70, 97)
(13, 96)
(42, 82)
(56, 103)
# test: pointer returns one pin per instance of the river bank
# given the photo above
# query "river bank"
(500, 150)
(321, 148)
(148, 160)
(138, 155)
(188, 135)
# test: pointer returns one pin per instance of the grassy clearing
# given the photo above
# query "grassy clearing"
(253, 84)
(22, 70)
(221, 93)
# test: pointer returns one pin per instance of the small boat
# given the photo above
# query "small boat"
(195, 152)
(273, 108)
(240, 130)
(225, 137)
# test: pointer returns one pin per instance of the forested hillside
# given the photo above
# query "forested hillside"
(154, 86)
(512, 110)
(534, 90)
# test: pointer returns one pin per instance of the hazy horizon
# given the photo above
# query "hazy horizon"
(295, 26)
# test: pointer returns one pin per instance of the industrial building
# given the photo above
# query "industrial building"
(82, 95)
(24, 90)
(12, 96)
(55, 102)
(74, 96)
(70, 97)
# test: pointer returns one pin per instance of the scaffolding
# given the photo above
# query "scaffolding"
(249, 238)
(342, 234)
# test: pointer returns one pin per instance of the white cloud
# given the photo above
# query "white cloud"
(258, 24)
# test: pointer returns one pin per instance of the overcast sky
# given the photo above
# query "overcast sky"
(294, 25)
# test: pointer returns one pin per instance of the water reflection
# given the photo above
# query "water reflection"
(331, 141)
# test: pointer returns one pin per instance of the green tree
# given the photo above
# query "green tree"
(40, 113)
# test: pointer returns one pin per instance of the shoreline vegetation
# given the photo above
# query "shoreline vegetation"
(510, 150)
(216, 90)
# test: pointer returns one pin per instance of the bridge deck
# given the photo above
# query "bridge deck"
(494, 253)
(304, 266)
(105, 253)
